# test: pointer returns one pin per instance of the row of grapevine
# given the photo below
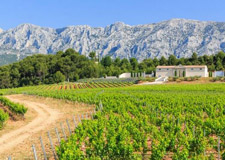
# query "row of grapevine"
(105, 80)
(14, 107)
(72, 86)
(3, 117)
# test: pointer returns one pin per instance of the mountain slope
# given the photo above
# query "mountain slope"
(180, 37)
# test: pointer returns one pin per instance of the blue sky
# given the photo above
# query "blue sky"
(61, 13)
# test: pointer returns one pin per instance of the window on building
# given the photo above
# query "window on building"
(167, 69)
(192, 68)
(159, 69)
(200, 68)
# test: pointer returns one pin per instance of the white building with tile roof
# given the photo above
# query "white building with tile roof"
(182, 71)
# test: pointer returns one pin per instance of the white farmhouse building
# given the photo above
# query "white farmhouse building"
(182, 71)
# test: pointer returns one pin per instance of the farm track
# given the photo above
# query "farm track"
(43, 114)
(45, 117)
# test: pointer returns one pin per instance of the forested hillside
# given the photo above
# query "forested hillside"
(71, 66)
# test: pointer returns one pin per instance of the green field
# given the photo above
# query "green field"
(145, 122)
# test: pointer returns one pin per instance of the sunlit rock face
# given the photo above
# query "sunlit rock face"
(179, 37)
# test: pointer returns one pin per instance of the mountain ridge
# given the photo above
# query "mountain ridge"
(180, 37)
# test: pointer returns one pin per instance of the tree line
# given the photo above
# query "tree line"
(117, 66)
(71, 66)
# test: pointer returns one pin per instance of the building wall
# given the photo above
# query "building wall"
(190, 72)
(218, 74)
(164, 72)
(125, 75)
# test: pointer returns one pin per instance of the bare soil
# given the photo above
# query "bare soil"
(43, 115)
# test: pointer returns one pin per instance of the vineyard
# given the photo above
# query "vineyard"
(7, 107)
(90, 85)
(146, 122)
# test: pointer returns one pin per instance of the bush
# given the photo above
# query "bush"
(197, 77)
(222, 79)
(217, 79)
(184, 73)
(178, 80)
(175, 78)
(170, 79)
(181, 78)
(192, 78)
(14, 107)
(59, 77)
(150, 79)
(3, 117)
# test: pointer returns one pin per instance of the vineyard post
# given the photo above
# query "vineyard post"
(43, 148)
(79, 120)
(91, 115)
(218, 148)
(68, 125)
(63, 131)
(34, 151)
(82, 116)
(100, 105)
(204, 137)
(86, 115)
(53, 150)
(58, 137)
(193, 131)
(74, 121)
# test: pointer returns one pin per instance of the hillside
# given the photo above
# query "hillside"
(179, 37)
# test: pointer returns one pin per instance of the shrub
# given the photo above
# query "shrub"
(14, 107)
(175, 73)
(175, 78)
(170, 79)
(181, 78)
(150, 79)
(192, 78)
(184, 73)
(3, 117)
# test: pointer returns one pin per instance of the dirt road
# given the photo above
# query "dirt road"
(42, 113)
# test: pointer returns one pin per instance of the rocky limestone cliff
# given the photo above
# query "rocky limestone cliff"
(179, 37)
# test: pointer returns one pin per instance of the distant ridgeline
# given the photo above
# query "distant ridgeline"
(11, 58)
(71, 66)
